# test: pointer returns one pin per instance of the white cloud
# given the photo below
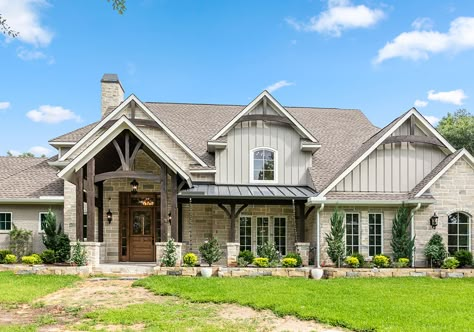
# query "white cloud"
(422, 23)
(52, 114)
(432, 119)
(341, 15)
(23, 16)
(40, 150)
(419, 45)
(33, 54)
(278, 85)
(455, 97)
(4, 105)
(420, 103)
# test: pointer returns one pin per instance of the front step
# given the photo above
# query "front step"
(123, 270)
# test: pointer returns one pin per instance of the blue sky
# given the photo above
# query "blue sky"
(382, 57)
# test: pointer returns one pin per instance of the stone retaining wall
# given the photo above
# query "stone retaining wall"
(330, 273)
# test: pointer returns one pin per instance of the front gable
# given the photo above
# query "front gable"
(397, 158)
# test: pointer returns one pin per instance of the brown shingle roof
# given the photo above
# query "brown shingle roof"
(25, 177)
(74, 135)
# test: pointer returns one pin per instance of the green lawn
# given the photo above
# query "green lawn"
(386, 304)
(16, 289)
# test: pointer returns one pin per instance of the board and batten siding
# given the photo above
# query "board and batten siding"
(233, 163)
(395, 167)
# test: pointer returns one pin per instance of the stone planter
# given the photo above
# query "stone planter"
(317, 273)
(206, 272)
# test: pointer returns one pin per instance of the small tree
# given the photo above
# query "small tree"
(435, 251)
(210, 251)
(268, 250)
(402, 244)
(335, 239)
(20, 241)
(169, 254)
(55, 239)
(79, 255)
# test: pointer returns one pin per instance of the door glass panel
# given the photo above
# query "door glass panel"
(141, 223)
(147, 224)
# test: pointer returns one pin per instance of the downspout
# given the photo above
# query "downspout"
(412, 217)
(318, 230)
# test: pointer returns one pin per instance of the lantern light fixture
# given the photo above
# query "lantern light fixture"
(109, 216)
(134, 185)
(434, 221)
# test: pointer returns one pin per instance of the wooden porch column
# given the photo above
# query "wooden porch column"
(174, 206)
(164, 201)
(79, 204)
(91, 200)
(299, 218)
(100, 226)
(232, 214)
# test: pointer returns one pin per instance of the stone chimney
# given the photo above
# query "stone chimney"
(111, 93)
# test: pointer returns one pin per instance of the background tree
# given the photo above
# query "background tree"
(458, 129)
(118, 5)
(24, 154)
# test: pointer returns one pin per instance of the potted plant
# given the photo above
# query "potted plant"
(210, 254)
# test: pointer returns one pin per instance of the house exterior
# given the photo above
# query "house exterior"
(244, 174)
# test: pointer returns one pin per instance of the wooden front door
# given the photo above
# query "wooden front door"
(141, 230)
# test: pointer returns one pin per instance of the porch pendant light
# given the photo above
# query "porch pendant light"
(434, 221)
(109, 216)
(134, 185)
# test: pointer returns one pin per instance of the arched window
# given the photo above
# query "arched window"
(263, 165)
(458, 232)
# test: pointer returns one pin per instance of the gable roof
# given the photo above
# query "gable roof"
(121, 124)
(264, 96)
(373, 142)
(117, 110)
(341, 130)
(28, 178)
(439, 170)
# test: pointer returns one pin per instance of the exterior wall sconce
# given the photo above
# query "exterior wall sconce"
(434, 221)
(169, 217)
(134, 185)
(109, 216)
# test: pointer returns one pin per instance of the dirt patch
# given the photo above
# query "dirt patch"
(66, 307)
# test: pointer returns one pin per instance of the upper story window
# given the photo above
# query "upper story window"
(263, 165)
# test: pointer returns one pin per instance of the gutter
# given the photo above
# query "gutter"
(313, 201)
(412, 218)
(46, 200)
(318, 236)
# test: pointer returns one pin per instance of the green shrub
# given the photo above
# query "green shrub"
(78, 255)
(32, 259)
(190, 259)
(20, 241)
(335, 239)
(268, 250)
(403, 262)
(352, 261)
(464, 257)
(289, 262)
(261, 261)
(242, 262)
(450, 263)
(48, 256)
(402, 243)
(296, 256)
(381, 261)
(169, 254)
(210, 251)
(360, 258)
(55, 239)
(10, 259)
(247, 256)
(3, 253)
(435, 251)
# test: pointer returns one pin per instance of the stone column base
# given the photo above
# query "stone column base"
(302, 248)
(233, 249)
(160, 249)
(95, 252)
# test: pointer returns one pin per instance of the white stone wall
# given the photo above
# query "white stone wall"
(27, 217)
(111, 95)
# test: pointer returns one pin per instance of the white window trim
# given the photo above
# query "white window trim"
(358, 234)
(381, 230)
(251, 230)
(286, 230)
(270, 222)
(275, 165)
(469, 229)
(11, 220)
(39, 221)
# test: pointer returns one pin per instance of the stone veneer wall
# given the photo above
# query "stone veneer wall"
(454, 192)
(209, 220)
